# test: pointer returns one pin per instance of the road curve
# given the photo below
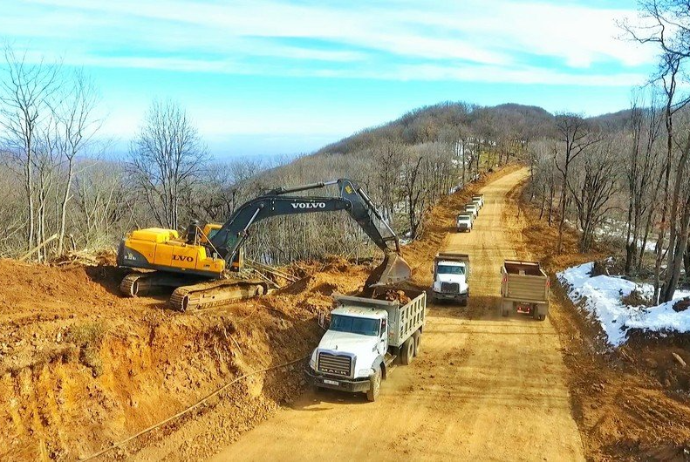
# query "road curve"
(483, 387)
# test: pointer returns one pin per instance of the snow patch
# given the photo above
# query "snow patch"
(601, 297)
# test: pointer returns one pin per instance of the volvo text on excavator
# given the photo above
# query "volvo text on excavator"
(202, 265)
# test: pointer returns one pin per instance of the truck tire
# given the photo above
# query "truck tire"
(463, 302)
(407, 351)
(374, 386)
(417, 337)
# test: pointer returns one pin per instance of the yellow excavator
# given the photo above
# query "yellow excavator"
(203, 265)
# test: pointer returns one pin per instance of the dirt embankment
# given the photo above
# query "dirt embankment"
(82, 368)
(630, 403)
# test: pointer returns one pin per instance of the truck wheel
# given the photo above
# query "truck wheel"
(463, 302)
(374, 386)
(417, 337)
(407, 351)
(542, 317)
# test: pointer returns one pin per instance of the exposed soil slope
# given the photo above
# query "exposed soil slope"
(81, 367)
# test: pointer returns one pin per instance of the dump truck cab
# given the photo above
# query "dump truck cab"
(479, 200)
(464, 222)
(473, 209)
(365, 337)
(451, 277)
(356, 337)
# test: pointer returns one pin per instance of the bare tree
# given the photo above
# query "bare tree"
(26, 94)
(576, 135)
(643, 175)
(592, 185)
(166, 157)
(76, 126)
(669, 29)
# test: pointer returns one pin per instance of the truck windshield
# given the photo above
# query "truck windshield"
(361, 326)
(447, 269)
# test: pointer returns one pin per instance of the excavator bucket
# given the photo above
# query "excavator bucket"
(393, 269)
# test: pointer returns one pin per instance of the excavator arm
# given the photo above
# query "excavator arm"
(228, 240)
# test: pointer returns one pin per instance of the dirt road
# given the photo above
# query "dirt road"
(483, 387)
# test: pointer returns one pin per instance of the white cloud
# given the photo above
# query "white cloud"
(517, 41)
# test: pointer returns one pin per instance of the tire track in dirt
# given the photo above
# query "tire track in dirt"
(484, 387)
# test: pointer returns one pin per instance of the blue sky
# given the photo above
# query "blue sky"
(283, 77)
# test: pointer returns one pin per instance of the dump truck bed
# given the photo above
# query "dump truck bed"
(403, 319)
(524, 281)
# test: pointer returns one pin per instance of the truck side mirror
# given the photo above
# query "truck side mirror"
(383, 325)
(323, 321)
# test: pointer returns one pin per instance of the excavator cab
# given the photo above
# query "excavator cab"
(206, 236)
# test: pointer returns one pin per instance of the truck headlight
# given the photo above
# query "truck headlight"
(363, 372)
(312, 360)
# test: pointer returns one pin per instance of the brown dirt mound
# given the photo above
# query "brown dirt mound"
(395, 296)
(636, 298)
(681, 305)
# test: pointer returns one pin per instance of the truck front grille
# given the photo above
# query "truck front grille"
(450, 287)
(334, 364)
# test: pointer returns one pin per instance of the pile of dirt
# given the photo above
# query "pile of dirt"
(636, 297)
(395, 296)
(681, 305)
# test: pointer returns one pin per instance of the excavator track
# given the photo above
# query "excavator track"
(136, 283)
(214, 293)
(132, 283)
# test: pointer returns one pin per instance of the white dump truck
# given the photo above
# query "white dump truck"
(464, 222)
(473, 209)
(479, 200)
(524, 289)
(366, 337)
(451, 277)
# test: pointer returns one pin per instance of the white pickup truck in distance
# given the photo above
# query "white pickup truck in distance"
(366, 337)
(451, 276)
(473, 209)
(464, 222)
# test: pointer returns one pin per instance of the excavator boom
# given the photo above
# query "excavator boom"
(352, 199)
